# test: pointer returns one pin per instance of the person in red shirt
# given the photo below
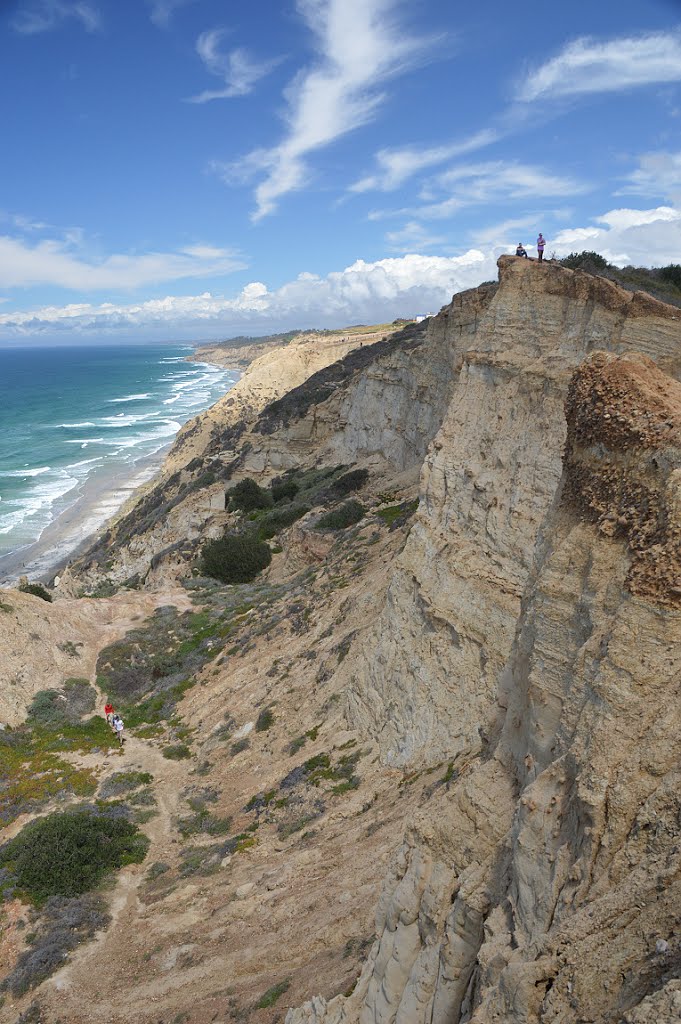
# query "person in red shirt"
(109, 713)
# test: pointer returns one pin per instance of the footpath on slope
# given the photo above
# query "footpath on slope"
(102, 956)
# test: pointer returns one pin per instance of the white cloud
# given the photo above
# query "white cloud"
(627, 237)
(162, 10)
(476, 184)
(239, 71)
(587, 66)
(395, 166)
(362, 292)
(46, 15)
(359, 46)
(23, 223)
(53, 262)
(658, 174)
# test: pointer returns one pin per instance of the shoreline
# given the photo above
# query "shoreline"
(76, 527)
(100, 501)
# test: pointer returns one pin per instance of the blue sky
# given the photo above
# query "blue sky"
(180, 169)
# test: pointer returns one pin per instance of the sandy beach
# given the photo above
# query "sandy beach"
(101, 497)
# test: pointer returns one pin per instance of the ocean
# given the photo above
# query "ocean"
(82, 420)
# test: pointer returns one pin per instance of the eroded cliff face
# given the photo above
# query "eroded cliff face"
(531, 635)
(505, 664)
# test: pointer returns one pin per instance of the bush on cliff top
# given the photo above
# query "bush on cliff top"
(586, 260)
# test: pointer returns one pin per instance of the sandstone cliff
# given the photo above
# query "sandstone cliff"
(530, 634)
(499, 666)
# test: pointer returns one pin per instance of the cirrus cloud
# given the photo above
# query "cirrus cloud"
(47, 15)
(359, 46)
(587, 66)
(238, 69)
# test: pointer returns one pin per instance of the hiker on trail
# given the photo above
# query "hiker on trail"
(520, 251)
(109, 713)
(118, 728)
(541, 242)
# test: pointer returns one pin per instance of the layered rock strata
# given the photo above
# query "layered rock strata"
(527, 631)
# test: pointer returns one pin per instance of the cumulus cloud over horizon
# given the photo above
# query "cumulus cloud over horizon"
(360, 293)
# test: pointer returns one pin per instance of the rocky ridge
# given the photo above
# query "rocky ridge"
(509, 672)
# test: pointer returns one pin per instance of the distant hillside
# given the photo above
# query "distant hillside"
(244, 340)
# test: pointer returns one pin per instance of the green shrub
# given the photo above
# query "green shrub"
(265, 720)
(53, 709)
(236, 558)
(349, 482)
(348, 514)
(397, 515)
(205, 823)
(177, 752)
(273, 994)
(123, 782)
(69, 853)
(248, 496)
(64, 924)
(671, 273)
(37, 590)
(279, 518)
(47, 709)
(585, 260)
(70, 648)
(157, 869)
(239, 745)
(284, 490)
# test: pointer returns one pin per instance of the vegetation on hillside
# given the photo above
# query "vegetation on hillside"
(68, 853)
(662, 283)
(31, 769)
(235, 557)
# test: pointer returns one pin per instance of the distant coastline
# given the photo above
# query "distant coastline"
(98, 499)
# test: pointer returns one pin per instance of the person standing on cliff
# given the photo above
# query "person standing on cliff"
(109, 713)
(541, 242)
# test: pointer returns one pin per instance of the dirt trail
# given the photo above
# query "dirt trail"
(100, 957)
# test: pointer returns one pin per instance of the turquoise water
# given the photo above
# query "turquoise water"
(70, 416)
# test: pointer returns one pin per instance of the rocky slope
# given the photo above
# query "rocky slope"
(499, 668)
(42, 645)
